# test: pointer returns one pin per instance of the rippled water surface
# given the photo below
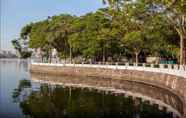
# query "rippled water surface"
(22, 98)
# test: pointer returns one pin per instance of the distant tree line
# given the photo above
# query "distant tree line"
(125, 29)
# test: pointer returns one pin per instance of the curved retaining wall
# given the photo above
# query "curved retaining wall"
(175, 84)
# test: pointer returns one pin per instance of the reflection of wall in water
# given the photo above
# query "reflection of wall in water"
(73, 102)
(160, 94)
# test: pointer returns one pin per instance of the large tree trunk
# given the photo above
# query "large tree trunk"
(182, 33)
(181, 30)
(182, 50)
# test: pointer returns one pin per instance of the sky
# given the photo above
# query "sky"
(17, 13)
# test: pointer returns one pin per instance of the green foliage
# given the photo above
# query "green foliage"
(26, 31)
(38, 37)
(107, 33)
(17, 46)
(60, 27)
(173, 11)
(26, 54)
(134, 40)
(52, 101)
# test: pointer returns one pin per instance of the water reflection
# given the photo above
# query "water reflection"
(36, 100)
(55, 101)
(153, 94)
(11, 72)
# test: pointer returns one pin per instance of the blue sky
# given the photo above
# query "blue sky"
(16, 13)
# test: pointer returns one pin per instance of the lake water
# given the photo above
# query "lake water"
(20, 97)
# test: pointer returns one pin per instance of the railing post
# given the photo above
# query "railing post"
(82, 63)
(162, 66)
(116, 65)
(58, 60)
(135, 64)
(152, 65)
(64, 63)
(127, 64)
(144, 64)
(181, 67)
(170, 66)
(175, 67)
(99, 63)
(74, 63)
(107, 64)
(90, 62)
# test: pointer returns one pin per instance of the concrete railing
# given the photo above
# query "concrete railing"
(177, 70)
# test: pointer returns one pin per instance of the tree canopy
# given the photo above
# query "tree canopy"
(108, 34)
(173, 10)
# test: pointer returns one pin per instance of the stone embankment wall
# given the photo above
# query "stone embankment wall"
(175, 84)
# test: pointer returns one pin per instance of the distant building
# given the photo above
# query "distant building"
(7, 54)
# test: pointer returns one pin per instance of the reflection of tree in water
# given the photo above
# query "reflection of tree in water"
(59, 102)
(22, 91)
(24, 64)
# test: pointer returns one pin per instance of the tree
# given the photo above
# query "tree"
(17, 46)
(101, 36)
(160, 36)
(25, 31)
(176, 14)
(174, 10)
(134, 41)
(88, 37)
(60, 28)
